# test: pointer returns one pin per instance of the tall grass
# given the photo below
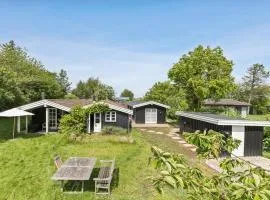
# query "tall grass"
(26, 167)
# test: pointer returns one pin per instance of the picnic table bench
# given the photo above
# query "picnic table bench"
(76, 169)
(103, 181)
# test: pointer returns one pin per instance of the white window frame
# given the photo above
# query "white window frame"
(109, 116)
(52, 118)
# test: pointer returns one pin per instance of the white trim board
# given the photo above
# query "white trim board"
(43, 103)
(223, 122)
(151, 103)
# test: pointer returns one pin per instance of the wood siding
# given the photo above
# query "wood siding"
(139, 114)
(192, 125)
(253, 141)
(122, 120)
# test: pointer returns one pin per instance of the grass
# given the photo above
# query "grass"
(166, 143)
(265, 117)
(27, 165)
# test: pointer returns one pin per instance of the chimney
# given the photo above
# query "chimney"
(42, 95)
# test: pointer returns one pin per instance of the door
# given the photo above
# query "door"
(253, 141)
(52, 119)
(97, 122)
(150, 115)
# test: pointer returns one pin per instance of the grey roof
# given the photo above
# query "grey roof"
(225, 102)
(221, 119)
(215, 116)
(133, 103)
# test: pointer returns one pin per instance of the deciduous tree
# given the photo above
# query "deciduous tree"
(203, 73)
(127, 93)
(167, 93)
(26, 78)
(95, 89)
(255, 77)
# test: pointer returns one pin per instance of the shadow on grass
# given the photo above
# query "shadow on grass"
(4, 138)
(89, 186)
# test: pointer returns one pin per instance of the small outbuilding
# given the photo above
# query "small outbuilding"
(250, 133)
(149, 112)
(241, 107)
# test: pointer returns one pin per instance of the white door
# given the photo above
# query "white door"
(97, 122)
(150, 115)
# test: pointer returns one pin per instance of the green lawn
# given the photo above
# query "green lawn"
(27, 166)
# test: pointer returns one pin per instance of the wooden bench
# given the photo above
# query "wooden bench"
(103, 181)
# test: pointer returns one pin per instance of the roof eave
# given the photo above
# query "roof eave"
(151, 103)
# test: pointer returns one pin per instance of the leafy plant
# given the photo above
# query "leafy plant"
(74, 123)
(203, 73)
(113, 130)
(211, 143)
(248, 183)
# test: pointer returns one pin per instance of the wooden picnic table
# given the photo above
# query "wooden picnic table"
(76, 169)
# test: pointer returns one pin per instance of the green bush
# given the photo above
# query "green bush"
(74, 123)
(113, 130)
(266, 139)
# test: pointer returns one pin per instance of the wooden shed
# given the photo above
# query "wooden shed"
(249, 132)
(149, 112)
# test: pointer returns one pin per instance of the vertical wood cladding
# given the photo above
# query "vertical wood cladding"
(192, 125)
(122, 120)
(253, 141)
(139, 114)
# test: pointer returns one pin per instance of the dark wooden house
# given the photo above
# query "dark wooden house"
(250, 133)
(48, 112)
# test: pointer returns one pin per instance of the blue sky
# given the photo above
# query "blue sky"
(133, 44)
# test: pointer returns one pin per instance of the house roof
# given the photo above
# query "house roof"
(71, 102)
(136, 104)
(133, 103)
(225, 102)
(221, 119)
(67, 104)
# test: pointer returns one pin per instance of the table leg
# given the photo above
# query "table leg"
(82, 186)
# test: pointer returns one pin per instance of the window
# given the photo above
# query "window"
(110, 116)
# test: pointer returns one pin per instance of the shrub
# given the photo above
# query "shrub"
(74, 123)
(266, 139)
(113, 130)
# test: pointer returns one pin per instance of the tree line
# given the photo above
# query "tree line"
(24, 79)
(203, 73)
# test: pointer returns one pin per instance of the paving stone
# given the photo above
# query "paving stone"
(188, 145)
(193, 149)
(158, 132)
(176, 138)
(182, 142)
(142, 129)
(150, 131)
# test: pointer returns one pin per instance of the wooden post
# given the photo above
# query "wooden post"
(18, 124)
(47, 120)
(14, 124)
(26, 124)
